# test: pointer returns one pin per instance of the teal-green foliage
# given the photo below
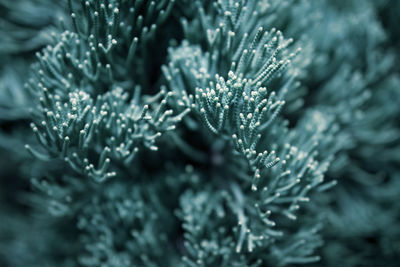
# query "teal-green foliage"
(199, 133)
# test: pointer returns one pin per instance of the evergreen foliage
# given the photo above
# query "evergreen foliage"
(199, 133)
